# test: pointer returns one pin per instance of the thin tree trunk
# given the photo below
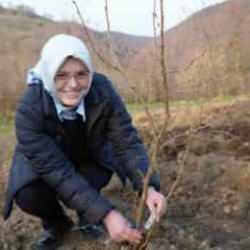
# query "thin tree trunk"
(163, 62)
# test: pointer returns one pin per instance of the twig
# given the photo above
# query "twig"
(163, 62)
(114, 59)
(156, 138)
(154, 14)
(92, 44)
(190, 64)
(141, 207)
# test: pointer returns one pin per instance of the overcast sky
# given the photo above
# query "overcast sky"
(129, 16)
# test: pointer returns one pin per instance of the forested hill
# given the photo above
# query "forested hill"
(217, 36)
(212, 42)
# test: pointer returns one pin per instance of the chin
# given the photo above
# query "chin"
(70, 103)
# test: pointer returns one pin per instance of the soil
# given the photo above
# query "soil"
(210, 207)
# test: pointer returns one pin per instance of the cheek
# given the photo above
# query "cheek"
(85, 84)
(59, 86)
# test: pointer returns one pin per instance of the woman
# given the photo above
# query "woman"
(73, 132)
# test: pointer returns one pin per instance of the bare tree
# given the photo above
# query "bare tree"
(158, 130)
(93, 45)
(163, 61)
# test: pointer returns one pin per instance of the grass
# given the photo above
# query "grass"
(137, 107)
(6, 123)
(7, 139)
(7, 120)
(134, 108)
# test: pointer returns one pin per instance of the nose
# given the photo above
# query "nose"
(72, 82)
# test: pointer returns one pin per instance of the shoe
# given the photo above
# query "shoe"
(91, 231)
(49, 240)
(52, 236)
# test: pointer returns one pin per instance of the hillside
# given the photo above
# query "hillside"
(215, 37)
(23, 35)
(209, 209)
(207, 54)
(206, 144)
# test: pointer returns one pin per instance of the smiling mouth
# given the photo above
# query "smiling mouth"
(72, 94)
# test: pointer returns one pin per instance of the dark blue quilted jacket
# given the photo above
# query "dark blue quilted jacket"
(109, 135)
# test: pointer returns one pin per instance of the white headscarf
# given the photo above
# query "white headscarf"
(53, 55)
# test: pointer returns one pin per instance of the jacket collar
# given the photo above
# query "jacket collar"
(94, 104)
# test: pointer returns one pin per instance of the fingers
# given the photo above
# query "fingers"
(120, 229)
(161, 208)
(157, 204)
(132, 235)
(154, 210)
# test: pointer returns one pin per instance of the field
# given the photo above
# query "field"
(210, 208)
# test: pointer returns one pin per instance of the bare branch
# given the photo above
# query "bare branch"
(154, 14)
(114, 59)
(107, 15)
(92, 43)
(163, 61)
(190, 64)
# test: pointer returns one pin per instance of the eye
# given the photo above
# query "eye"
(61, 76)
(82, 74)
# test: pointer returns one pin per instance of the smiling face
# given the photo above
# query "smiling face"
(72, 81)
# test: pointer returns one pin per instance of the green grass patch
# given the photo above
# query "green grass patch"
(7, 120)
(6, 123)
(138, 107)
(134, 108)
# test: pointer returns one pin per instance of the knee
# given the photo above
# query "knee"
(34, 197)
(25, 198)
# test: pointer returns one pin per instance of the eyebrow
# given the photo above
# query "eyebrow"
(67, 72)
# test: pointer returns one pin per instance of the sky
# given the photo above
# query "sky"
(128, 16)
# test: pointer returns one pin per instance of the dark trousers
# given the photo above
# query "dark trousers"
(39, 200)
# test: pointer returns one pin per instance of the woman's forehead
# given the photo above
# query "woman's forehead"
(72, 63)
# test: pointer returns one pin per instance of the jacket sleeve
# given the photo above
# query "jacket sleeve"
(49, 162)
(127, 145)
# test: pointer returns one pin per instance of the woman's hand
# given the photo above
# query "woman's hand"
(156, 203)
(120, 229)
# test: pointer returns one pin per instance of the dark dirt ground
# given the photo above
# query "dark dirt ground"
(210, 208)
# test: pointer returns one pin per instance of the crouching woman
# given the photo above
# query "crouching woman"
(73, 132)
